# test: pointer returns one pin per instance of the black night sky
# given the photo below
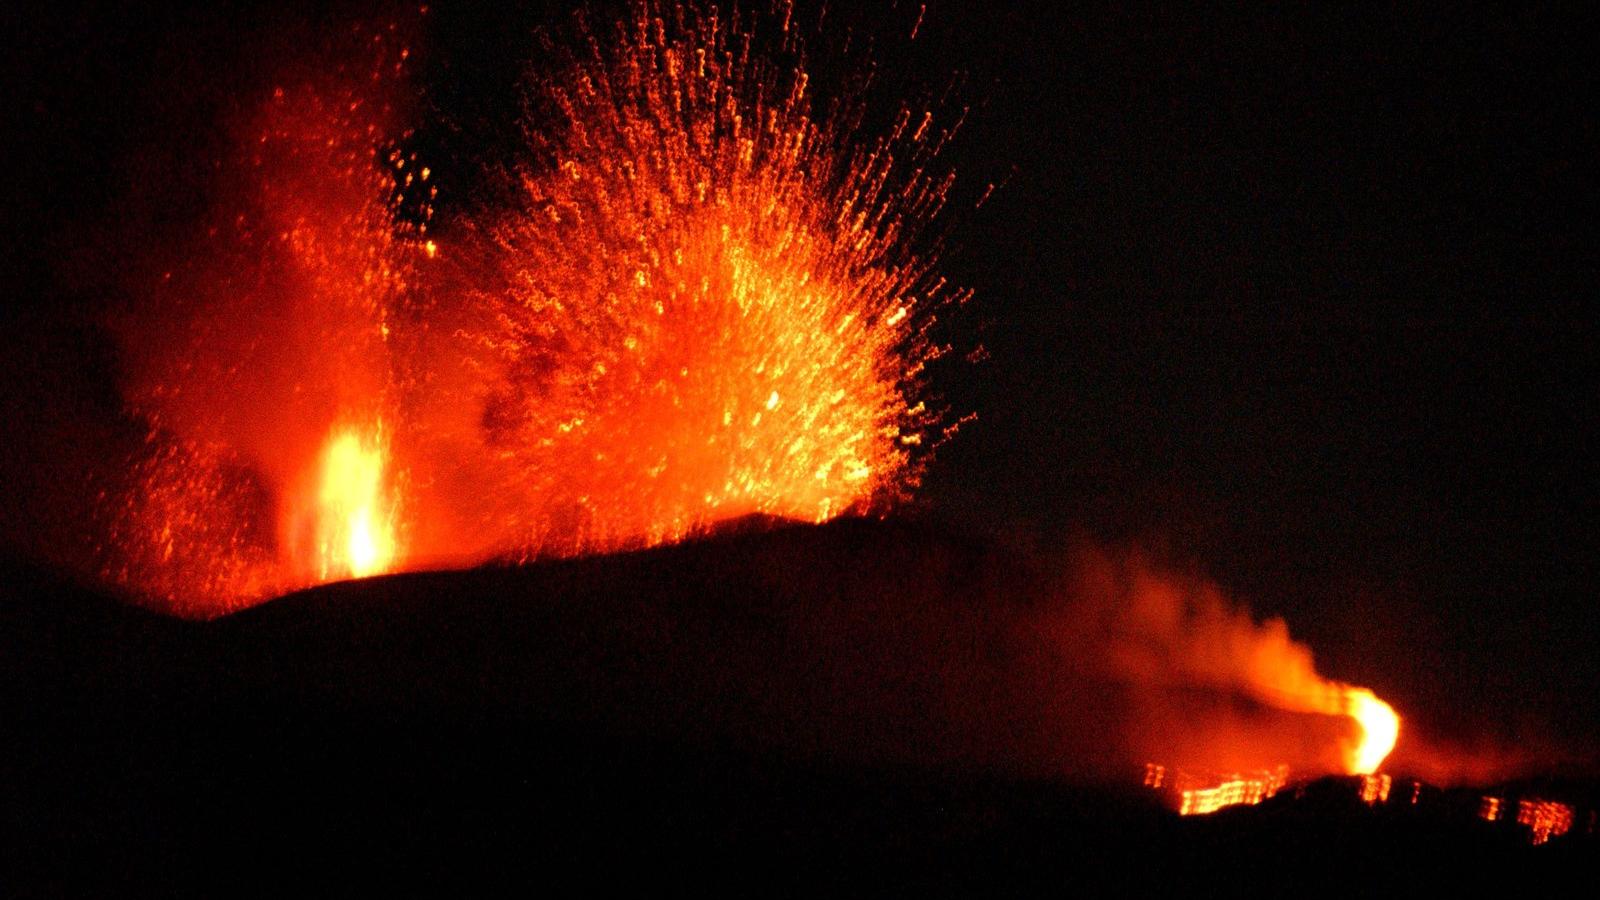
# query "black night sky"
(1303, 298)
(1306, 295)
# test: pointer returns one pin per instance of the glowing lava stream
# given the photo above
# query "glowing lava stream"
(1378, 723)
(355, 527)
(1380, 728)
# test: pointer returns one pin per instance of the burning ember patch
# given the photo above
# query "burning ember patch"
(1375, 789)
(1489, 809)
(1194, 794)
(354, 517)
(1545, 818)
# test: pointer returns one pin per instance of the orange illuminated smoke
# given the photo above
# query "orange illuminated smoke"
(1281, 675)
(1174, 630)
(355, 514)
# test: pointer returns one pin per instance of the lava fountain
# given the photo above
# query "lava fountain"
(703, 296)
(262, 363)
(355, 521)
(710, 300)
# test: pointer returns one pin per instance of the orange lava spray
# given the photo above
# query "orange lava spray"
(709, 302)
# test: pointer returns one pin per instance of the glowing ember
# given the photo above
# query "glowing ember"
(1545, 818)
(1154, 775)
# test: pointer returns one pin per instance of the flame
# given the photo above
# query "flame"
(356, 522)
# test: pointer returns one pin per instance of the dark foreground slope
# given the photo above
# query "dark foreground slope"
(779, 712)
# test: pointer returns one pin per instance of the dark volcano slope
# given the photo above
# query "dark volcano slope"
(862, 703)
(858, 641)
(846, 698)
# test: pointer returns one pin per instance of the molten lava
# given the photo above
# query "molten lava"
(1375, 789)
(355, 516)
(1380, 728)
(1197, 795)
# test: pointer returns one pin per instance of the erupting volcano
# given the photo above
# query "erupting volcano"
(698, 293)
(700, 299)
(494, 438)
